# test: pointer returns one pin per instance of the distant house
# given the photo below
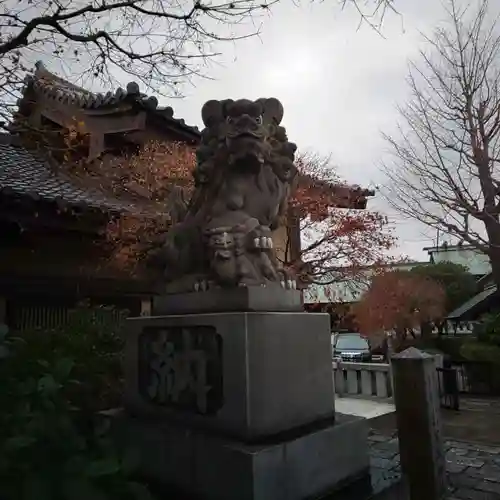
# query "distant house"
(478, 264)
(475, 261)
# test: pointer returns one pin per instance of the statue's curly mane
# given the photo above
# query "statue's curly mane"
(274, 179)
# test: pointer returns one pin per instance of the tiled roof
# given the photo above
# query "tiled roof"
(472, 303)
(23, 174)
(60, 90)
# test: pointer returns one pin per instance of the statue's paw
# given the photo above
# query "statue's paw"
(263, 243)
(201, 286)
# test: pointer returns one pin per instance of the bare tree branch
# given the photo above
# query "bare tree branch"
(443, 168)
(160, 43)
(157, 42)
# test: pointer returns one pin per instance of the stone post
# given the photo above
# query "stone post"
(390, 345)
(419, 424)
(390, 354)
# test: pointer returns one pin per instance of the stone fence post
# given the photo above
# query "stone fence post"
(390, 345)
(416, 397)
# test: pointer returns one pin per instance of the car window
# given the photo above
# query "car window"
(351, 342)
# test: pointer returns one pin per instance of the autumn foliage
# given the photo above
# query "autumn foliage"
(337, 242)
(399, 301)
(158, 181)
(159, 175)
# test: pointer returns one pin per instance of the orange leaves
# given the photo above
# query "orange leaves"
(314, 195)
(148, 177)
(319, 189)
(398, 300)
(149, 173)
(335, 235)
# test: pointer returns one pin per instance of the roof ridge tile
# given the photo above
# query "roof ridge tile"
(61, 90)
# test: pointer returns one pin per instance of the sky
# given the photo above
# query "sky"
(339, 83)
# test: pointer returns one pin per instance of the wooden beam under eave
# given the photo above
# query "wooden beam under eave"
(96, 146)
(63, 115)
(66, 116)
(116, 124)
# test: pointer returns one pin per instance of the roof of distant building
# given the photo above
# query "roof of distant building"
(445, 247)
(53, 87)
(24, 174)
(348, 196)
(464, 254)
(471, 306)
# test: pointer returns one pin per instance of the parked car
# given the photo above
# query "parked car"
(351, 347)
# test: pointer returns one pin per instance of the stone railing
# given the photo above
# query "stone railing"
(458, 328)
(366, 380)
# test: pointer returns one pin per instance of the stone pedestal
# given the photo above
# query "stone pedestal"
(238, 405)
(247, 375)
(315, 462)
(271, 298)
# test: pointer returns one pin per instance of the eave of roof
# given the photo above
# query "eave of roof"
(353, 194)
(446, 247)
(53, 87)
(472, 303)
(22, 174)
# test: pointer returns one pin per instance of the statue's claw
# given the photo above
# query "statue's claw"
(288, 281)
(289, 284)
(263, 243)
(201, 286)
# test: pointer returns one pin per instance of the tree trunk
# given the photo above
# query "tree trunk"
(425, 329)
(493, 231)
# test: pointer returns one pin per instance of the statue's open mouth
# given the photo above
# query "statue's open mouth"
(222, 254)
(241, 135)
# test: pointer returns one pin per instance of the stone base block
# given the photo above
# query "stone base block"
(323, 460)
(246, 375)
(241, 299)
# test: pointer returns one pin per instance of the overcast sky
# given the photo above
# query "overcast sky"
(339, 86)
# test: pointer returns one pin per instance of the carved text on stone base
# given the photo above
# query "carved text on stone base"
(182, 367)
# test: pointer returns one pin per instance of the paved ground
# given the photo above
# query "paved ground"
(472, 452)
(366, 408)
(473, 470)
(477, 421)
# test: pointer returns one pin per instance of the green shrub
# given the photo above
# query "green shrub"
(451, 346)
(488, 330)
(485, 346)
(51, 448)
(474, 350)
(91, 338)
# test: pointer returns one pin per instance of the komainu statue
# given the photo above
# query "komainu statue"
(243, 178)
